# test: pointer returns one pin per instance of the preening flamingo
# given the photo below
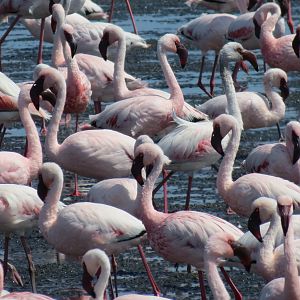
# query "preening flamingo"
(240, 194)
(99, 154)
(287, 287)
(178, 237)
(92, 11)
(95, 261)
(208, 32)
(257, 110)
(278, 159)
(148, 114)
(198, 152)
(79, 227)
(277, 53)
(19, 210)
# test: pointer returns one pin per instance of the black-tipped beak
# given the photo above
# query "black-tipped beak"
(49, 96)
(284, 212)
(53, 25)
(251, 57)
(36, 90)
(284, 89)
(243, 254)
(103, 45)
(51, 3)
(257, 29)
(182, 53)
(253, 224)
(149, 170)
(251, 4)
(216, 140)
(136, 169)
(71, 41)
(87, 282)
(42, 189)
(296, 43)
(296, 143)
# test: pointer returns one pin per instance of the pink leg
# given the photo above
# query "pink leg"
(162, 182)
(112, 5)
(76, 192)
(114, 269)
(237, 294)
(202, 287)
(6, 33)
(154, 285)
(289, 18)
(165, 188)
(40, 52)
(188, 194)
(131, 16)
(31, 266)
(212, 78)
(200, 84)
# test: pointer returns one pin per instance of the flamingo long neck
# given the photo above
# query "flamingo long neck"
(146, 211)
(48, 213)
(57, 56)
(51, 143)
(277, 110)
(34, 149)
(265, 254)
(101, 283)
(175, 90)
(214, 280)
(266, 34)
(291, 284)
(119, 66)
(224, 178)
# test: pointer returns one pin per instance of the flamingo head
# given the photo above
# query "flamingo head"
(285, 211)
(292, 135)
(253, 224)
(296, 41)
(58, 14)
(67, 31)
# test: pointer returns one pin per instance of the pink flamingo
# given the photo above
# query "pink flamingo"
(289, 286)
(15, 168)
(277, 53)
(148, 115)
(256, 110)
(240, 194)
(92, 11)
(96, 260)
(208, 32)
(278, 159)
(99, 154)
(178, 237)
(20, 207)
(79, 227)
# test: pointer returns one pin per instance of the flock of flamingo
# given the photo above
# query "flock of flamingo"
(143, 132)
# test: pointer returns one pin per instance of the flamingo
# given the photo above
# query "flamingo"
(178, 237)
(147, 114)
(289, 286)
(99, 154)
(208, 32)
(79, 227)
(240, 194)
(198, 152)
(20, 207)
(96, 260)
(278, 159)
(256, 110)
(92, 11)
(277, 53)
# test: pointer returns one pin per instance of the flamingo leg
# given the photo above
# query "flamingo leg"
(31, 266)
(289, 18)
(200, 84)
(165, 189)
(212, 78)
(16, 277)
(40, 51)
(2, 133)
(111, 289)
(202, 287)
(281, 138)
(76, 192)
(188, 194)
(6, 33)
(112, 5)
(97, 106)
(114, 268)
(156, 290)
(161, 183)
(131, 16)
(5, 258)
(237, 294)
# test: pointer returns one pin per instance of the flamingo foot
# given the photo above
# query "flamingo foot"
(230, 211)
(76, 193)
(202, 87)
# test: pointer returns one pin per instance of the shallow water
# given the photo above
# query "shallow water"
(153, 19)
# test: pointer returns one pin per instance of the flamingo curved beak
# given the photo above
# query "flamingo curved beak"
(284, 212)
(253, 224)
(71, 41)
(49, 96)
(296, 143)
(136, 169)
(87, 282)
(251, 57)
(182, 53)
(257, 28)
(103, 45)
(53, 25)
(216, 140)
(284, 89)
(243, 254)
(36, 90)
(296, 42)
(42, 189)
